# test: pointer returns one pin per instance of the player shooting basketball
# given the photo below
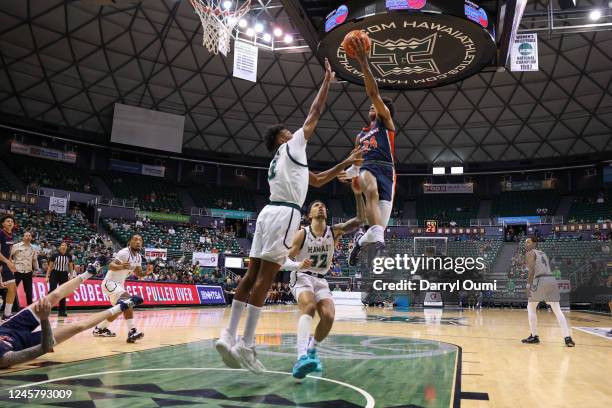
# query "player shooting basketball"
(377, 174)
(315, 245)
(277, 223)
(21, 342)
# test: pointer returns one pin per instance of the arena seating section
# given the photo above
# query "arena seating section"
(517, 203)
(152, 233)
(152, 193)
(231, 198)
(47, 173)
(585, 207)
(55, 228)
(443, 208)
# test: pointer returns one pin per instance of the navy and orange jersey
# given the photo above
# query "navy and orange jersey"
(377, 142)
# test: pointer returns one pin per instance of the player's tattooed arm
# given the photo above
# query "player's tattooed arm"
(316, 109)
(359, 219)
(372, 87)
(324, 177)
(42, 309)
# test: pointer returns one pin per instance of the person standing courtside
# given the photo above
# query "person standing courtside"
(7, 268)
(59, 268)
(25, 258)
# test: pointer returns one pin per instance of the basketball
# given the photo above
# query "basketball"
(349, 42)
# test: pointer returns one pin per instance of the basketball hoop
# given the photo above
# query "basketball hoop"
(218, 22)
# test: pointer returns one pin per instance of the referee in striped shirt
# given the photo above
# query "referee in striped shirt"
(60, 266)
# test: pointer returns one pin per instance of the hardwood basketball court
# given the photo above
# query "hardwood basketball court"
(374, 357)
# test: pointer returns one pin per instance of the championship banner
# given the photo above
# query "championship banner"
(465, 188)
(58, 205)
(154, 253)
(43, 152)
(245, 61)
(153, 293)
(524, 53)
(205, 259)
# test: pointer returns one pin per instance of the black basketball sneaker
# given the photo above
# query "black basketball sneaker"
(134, 335)
(569, 342)
(98, 332)
(531, 340)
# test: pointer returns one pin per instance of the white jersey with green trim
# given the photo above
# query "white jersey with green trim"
(320, 251)
(288, 172)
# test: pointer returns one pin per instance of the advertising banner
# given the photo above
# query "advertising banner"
(137, 168)
(153, 293)
(205, 259)
(465, 188)
(156, 216)
(154, 253)
(43, 152)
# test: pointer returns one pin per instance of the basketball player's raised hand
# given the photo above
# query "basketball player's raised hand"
(360, 47)
(329, 74)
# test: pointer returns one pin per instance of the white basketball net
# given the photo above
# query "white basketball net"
(218, 22)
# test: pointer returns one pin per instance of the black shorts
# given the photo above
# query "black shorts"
(7, 275)
(21, 329)
(385, 178)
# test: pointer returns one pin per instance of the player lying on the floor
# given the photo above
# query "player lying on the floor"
(19, 342)
(315, 244)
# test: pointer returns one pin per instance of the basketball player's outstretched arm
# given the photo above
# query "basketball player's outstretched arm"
(316, 109)
(371, 86)
(324, 177)
(298, 241)
(357, 221)
(42, 308)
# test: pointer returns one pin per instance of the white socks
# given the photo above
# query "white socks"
(556, 308)
(105, 323)
(303, 334)
(253, 313)
(533, 317)
(235, 314)
(376, 233)
(313, 343)
(129, 323)
(115, 310)
(8, 308)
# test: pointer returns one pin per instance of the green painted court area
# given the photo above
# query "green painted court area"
(358, 371)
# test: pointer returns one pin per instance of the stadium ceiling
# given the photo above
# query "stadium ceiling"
(68, 62)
